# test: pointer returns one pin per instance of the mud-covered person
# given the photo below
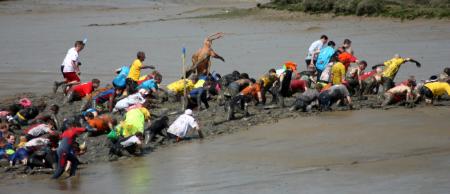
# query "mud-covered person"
(156, 128)
(431, 91)
(400, 94)
(354, 78)
(176, 89)
(334, 95)
(82, 91)
(135, 72)
(70, 68)
(267, 82)
(183, 125)
(253, 91)
(307, 99)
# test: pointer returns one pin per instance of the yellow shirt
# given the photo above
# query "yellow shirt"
(438, 88)
(200, 83)
(268, 80)
(337, 73)
(392, 66)
(135, 70)
(178, 86)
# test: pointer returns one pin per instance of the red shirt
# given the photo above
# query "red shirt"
(83, 89)
(70, 133)
(367, 75)
(346, 58)
(298, 85)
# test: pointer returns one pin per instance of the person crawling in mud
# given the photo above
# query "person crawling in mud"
(131, 100)
(307, 99)
(156, 128)
(182, 126)
(151, 84)
(402, 93)
(70, 68)
(336, 94)
(66, 152)
(99, 124)
(391, 68)
(201, 60)
(197, 97)
(267, 81)
(82, 91)
(109, 96)
(253, 91)
(433, 90)
(37, 130)
(25, 115)
(50, 115)
(283, 88)
(354, 78)
(176, 89)
(132, 144)
(371, 81)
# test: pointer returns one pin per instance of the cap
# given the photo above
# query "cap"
(188, 112)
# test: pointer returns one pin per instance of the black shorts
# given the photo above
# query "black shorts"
(424, 91)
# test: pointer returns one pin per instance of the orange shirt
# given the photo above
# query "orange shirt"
(251, 90)
(346, 58)
(100, 123)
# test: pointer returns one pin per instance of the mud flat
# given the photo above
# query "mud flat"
(367, 151)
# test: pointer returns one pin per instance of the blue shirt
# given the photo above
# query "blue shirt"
(148, 85)
(104, 96)
(196, 92)
(120, 80)
(324, 57)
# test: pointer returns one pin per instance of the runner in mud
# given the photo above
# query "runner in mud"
(201, 60)
(70, 68)
(65, 151)
(391, 68)
(323, 60)
(156, 128)
(100, 125)
(179, 129)
(130, 100)
(314, 50)
(82, 92)
(354, 78)
(307, 99)
(267, 82)
(253, 91)
(135, 72)
(284, 84)
(399, 94)
(108, 96)
(132, 144)
(176, 89)
(433, 90)
(197, 97)
(335, 94)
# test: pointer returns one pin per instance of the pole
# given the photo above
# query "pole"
(183, 58)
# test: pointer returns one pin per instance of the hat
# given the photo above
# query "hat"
(188, 112)
(291, 65)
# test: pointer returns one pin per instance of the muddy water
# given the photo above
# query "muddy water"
(34, 39)
(369, 151)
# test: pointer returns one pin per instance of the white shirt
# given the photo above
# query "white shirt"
(182, 125)
(39, 130)
(129, 101)
(131, 141)
(37, 142)
(315, 46)
(325, 76)
(72, 55)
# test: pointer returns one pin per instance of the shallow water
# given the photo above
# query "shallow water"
(368, 151)
(35, 42)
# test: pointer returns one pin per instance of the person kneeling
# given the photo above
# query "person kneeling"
(183, 125)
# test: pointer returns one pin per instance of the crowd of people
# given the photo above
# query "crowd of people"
(333, 76)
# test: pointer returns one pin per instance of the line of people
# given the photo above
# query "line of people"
(122, 111)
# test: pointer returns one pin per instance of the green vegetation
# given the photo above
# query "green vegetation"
(404, 9)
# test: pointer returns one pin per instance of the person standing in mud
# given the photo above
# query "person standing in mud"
(70, 68)
(201, 60)
(135, 72)
(314, 50)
